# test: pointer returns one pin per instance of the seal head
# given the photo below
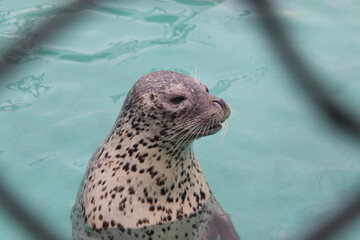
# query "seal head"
(178, 103)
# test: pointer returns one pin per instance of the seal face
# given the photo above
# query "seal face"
(144, 181)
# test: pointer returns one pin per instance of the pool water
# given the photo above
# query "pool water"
(279, 170)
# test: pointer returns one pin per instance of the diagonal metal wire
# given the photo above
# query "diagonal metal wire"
(24, 217)
(340, 117)
(16, 52)
(300, 72)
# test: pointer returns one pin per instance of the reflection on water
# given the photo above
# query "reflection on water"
(225, 82)
(245, 13)
(42, 159)
(117, 97)
(13, 105)
(156, 15)
(15, 24)
(29, 87)
(175, 32)
(187, 70)
(202, 3)
(30, 84)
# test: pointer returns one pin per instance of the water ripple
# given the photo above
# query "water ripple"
(245, 13)
(200, 3)
(30, 84)
(42, 159)
(10, 106)
(156, 15)
(15, 24)
(186, 70)
(115, 50)
(18, 22)
(116, 98)
(226, 81)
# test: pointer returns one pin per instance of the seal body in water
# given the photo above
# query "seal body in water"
(144, 181)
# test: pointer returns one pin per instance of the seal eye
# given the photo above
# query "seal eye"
(177, 100)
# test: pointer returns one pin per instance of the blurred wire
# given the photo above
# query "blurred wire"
(16, 52)
(304, 77)
(26, 219)
(308, 81)
(336, 223)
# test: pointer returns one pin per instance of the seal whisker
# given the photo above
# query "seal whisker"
(211, 125)
(201, 129)
(224, 130)
(183, 124)
(182, 128)
(186, 128)
(189, 133)
(177, 145)
(172, 76)
(178, 128)
(178, 142)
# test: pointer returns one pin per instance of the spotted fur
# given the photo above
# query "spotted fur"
(144, 181)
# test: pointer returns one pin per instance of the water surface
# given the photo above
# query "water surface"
(279, 170)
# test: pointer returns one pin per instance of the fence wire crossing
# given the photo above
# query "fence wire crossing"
(273, 28)
(332, 111)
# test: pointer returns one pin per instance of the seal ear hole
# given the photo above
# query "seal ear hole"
(207, 89)
(151, 97)
(177, 99)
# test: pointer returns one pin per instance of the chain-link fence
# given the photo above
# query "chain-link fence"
(277, 36)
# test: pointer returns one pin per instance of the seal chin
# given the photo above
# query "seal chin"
(207, 131)
(214, 129)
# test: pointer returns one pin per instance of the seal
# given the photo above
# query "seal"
(144, 181)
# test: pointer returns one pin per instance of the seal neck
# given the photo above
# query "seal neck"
(149, 156)
(148, 177)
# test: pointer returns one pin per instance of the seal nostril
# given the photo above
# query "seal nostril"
(221, 103)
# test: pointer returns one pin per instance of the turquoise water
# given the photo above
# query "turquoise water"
(279, 169)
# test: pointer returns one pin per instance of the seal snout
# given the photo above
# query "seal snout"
(224, 107)
(222, 103)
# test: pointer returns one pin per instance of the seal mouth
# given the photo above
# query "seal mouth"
(212, 130)
(202, 130)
